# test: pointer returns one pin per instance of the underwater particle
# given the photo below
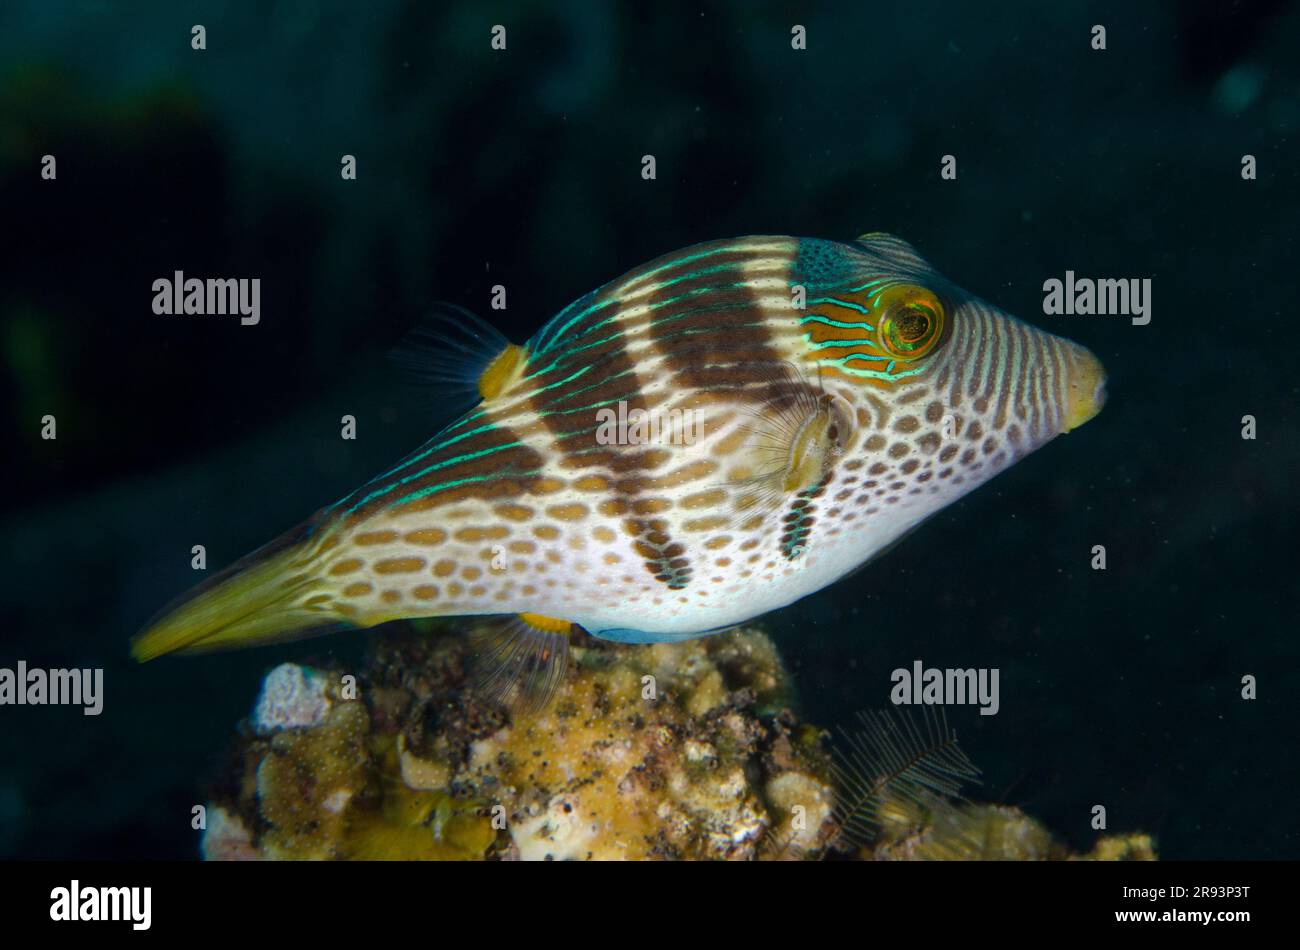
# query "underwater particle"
(292, 697)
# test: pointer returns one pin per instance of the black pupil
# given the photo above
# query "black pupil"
(912, 325)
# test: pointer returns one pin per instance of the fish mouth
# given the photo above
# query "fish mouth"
(1087, 392)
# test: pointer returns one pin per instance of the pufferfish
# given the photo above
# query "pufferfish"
(835, 395)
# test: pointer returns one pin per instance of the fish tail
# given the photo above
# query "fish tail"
(274, 594)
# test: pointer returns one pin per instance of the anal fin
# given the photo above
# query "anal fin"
(521, 661)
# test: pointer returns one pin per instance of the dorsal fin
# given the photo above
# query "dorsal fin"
(892, 248)
(463, 357)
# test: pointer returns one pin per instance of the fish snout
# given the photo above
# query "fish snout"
(1086, 387)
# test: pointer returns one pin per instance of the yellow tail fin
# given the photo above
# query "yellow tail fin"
(273, 594)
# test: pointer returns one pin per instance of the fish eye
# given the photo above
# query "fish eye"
(911, 321)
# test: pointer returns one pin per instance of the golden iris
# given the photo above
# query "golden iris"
(911, 321)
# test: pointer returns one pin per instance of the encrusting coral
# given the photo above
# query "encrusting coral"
(670, 751)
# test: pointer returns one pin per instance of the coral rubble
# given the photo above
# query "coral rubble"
(687, 750)
(683, 750)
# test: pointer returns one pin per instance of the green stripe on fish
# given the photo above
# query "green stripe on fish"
(819, 437)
